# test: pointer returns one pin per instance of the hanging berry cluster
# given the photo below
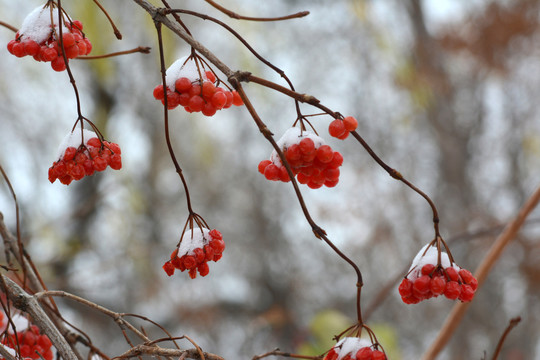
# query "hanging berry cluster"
(312, 162)
(429, 278)
(27, 341)
(195, 90)
(340, 128)
(353, 348)
(81, 156)
(197, 247)
(38, 38)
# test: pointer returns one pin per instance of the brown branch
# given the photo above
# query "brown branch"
(513, 323)
(277, 352)
(115, 29)
(155, 351)
(459, 309)
(10, 27)
(234, 15)
(139, 49)
(29, 304)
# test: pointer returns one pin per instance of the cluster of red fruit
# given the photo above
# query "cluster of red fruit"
(351, 348)
(29, 343)
(340, 128)
(76, 163)
(312, 162)
(36, 38)
(198, 95)
(432, 281)
(195, 250)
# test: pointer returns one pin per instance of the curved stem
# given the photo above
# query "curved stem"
(234, 15)
(139, 49)
(10, 27)
(115, 29)
(166, 118)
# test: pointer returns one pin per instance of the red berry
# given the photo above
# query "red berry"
(428, 269)
(219, 99)
(193, 273)
(208, 90)
(364, 353)
(283, 174)
(209, 252)
(203, 269)
(215, 234)
(196, 103)
(314, 185)
(337, 160)
(69, 153)
(190, 262)
(81, 45)
(332, 355)
(237, 100)
(169, 268)
(350, 123)
(307, 146)
(405, 288)
(331, 183)
(195, 89)
(76, 24)
(173, 99)
(88, 46)
(229, 99)
(453, 290)
(331, 174)
(182, 84)
(343, 136)
(302, 178)
(466, 276)
(49, 54)
(422, 284)
(271, 172)
(115, 161)
(159, 94)
(31, 47)
(378, 355)
(68, 40)
(438, 285)
(293, 153)
(467, 293)
(336, 128)
(199, 254)
(325, 154)
(218, 245)
(10, 46)
(58, 64)
(209, 109)
(17, 49)
(77, 172)
(100, 164)
(262, 165)
(210, 76)
(452, 274)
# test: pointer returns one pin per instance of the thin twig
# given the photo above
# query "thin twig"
(155, 351)
(234, 15)
(277, 352)
(513, 323)
(10, 27)
(139, 49)
(459, 309)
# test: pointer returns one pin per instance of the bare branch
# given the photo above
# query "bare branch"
(234, 15)
(155, 351)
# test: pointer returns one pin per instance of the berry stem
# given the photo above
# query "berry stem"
(10, 27)
(512, 324)
(317, 230)
(166, 118)
(234, 15)
(115, 29)
(139, 49)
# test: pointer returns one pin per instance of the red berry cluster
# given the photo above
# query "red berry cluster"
(195, 251)
(350, 348)
(76, 163)
(198, 95)
(312, 162)
(432, 281)
(32, 344)
(340, 128)
(42, 43)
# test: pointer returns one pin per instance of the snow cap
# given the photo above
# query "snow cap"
(293, 136)
(37, 24)
(183, 68)
(350, 345)
(73, 139)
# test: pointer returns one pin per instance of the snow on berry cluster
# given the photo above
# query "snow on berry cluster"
(195, 91)
(38, 39)
(340, 128)
(82, 156)
(196, 249)
(27, 341)
(427, 279)
(312, 162)
(352, 348)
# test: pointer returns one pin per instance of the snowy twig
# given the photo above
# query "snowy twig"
(457, 313)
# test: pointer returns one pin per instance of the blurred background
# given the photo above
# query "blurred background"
(444, 91)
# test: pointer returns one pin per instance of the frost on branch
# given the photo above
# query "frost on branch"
(432, 273)
(312, 161)
(39, 38)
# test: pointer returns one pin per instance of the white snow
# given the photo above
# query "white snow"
(37, 24)
(20, 322)
(293, 136)
(193, 239)
(74, 139)
(430, 257)
(181, 68)
(350, 345)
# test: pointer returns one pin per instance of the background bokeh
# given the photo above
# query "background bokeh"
(445, 91)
